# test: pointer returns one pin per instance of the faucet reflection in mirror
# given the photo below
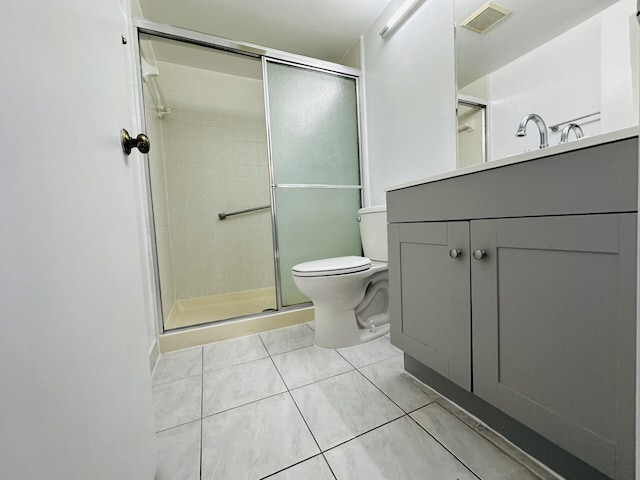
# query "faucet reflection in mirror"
(564, 136)
(542, 127)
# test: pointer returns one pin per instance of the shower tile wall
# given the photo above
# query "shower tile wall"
(215, 156)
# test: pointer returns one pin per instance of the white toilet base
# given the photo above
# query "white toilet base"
(341, 330)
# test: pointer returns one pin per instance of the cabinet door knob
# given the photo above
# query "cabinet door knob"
(479, 254)
(455, 253)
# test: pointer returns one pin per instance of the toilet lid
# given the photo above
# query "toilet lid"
(332, 266)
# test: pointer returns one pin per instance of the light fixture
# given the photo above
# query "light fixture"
(407, 8)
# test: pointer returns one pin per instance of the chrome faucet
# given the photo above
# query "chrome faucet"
(564, 136)
(522, 129)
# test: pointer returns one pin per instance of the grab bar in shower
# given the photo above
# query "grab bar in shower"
(223, 215)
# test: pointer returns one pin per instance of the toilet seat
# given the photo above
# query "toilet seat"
(332, 266)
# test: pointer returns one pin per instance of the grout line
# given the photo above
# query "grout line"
(177, 426)
(345, 359)
(364, 433)
(293, 399)
(381, 391)
(322, 379)
(443, 446)
(329, 465)
(175, 380)
(287, 351)
(290, 466)
(244, 404)
(380, 361)
(234, 365)
(201, 410)
(305, 421)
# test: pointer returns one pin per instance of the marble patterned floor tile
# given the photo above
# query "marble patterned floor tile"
(177, 402)
(179, 453)
(339, 408)
(233, 352)
(390, 377)
(369, 352)
(234, 386)
(310, 364)
(255, 440)
(539, 469)
(477, 453)
(315, 468)
(176, 365)
(398, 450)
(286, 339)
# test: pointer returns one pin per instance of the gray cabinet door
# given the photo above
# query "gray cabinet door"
(553, 329)
(430, 297)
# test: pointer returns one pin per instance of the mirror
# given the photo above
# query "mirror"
(575, 60)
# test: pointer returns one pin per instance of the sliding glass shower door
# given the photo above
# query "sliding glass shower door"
(209, 178)
(316, 189)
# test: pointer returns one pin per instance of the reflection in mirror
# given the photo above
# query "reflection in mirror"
(471, 131)
(570, 61)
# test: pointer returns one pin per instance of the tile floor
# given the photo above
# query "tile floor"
(273, 405)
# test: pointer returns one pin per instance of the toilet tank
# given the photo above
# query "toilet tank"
(373, 232)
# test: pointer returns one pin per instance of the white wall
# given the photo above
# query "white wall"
(620, 64)
(410, 97)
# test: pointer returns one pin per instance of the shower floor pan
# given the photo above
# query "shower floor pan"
(196, 311)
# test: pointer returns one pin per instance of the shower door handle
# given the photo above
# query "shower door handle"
(141, 142)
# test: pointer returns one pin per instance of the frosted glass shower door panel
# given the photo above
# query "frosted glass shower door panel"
(314, 126)
(314, 224)
(313, 121)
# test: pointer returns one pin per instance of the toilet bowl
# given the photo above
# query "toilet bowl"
(350, 294)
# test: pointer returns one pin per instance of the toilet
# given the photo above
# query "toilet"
(350, 294)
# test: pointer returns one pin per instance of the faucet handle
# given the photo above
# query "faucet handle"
(564, 136)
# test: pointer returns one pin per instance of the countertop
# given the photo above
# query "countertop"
(584, 142)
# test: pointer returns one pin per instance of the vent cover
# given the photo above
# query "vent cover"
(486, 17)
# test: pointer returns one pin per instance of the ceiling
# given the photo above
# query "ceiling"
(323, 29)
(327, 29)
(532, 23)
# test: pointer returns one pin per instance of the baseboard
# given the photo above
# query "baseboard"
(533, 444)
(201, 335)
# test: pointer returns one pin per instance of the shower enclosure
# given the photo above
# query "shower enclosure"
(254, 167)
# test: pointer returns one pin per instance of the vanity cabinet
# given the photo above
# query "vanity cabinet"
(539, 323)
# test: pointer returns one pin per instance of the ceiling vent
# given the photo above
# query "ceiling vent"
(486, 17)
